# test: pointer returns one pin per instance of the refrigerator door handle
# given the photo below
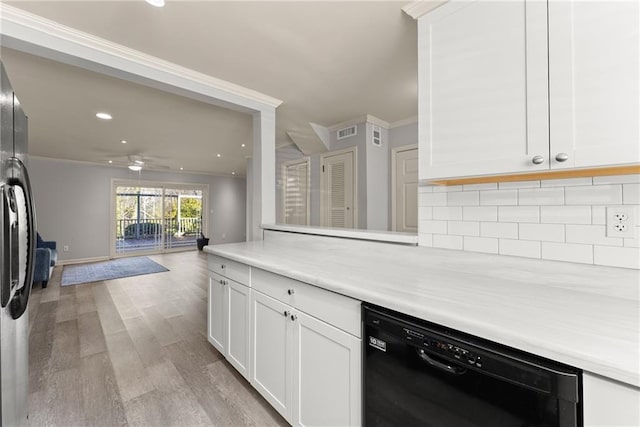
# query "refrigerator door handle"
(20, 178)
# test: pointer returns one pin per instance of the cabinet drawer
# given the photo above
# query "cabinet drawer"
(230, 269)
(337, 310)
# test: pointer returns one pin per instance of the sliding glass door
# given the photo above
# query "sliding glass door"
(157, 218)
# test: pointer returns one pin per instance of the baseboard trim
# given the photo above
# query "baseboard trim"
(82, 260)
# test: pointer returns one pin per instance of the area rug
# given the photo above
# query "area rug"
(107, 270)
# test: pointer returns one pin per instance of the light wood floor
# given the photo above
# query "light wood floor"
(133, 351)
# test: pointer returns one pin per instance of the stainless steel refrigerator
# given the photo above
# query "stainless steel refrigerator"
(17, 252)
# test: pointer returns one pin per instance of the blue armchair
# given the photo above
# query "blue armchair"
(46, 257)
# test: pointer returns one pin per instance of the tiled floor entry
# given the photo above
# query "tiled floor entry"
(133, 351)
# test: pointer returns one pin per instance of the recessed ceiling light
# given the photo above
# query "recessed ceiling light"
(110, 161)
(181, 169)
(156, 3)
(233, 173)
(218, 155)
(104, 116)
(123, 141)
(243, 145)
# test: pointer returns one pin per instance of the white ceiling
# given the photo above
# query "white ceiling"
(328, 61)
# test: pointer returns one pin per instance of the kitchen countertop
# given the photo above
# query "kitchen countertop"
(582, 315)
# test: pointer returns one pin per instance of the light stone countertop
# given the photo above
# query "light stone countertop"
(582, 315)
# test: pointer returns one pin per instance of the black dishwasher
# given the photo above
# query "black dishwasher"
(417, 373)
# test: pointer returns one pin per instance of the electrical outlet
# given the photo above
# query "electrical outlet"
(621, 221)
(65, 248)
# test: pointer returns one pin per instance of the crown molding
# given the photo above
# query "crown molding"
(404, 122)
(367, 118)
(420, 8)
(36, 35)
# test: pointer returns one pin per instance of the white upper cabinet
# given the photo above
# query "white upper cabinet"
(525, 86)
(482, 88)
(594, 47)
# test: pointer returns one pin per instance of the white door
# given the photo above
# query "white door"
(216, 318)
(296, 190)
(594, 82)
(482, 82)
(271, 336)
(405, 190)
(239, 327)
(337, 190)
(327, 379)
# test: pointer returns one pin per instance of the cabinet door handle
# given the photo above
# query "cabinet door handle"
(294, 317)
(286, 313)
(291, 291)
(562, 157)
(537, 160)
(221, 282)
(222, 266)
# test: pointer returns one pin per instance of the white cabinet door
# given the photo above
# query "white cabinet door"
(609, 403)
(271, 339)
(327, 374)
(482, 82)
(238, 310)
(216, 317)
(593, 82)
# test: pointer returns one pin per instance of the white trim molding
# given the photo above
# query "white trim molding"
(420, 8)
(36, 35)
(367, 118)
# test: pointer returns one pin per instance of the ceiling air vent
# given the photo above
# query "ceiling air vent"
(347, 132)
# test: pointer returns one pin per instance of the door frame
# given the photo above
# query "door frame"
(323, 213)
(283, 174)
(157, 184)
(394, 154)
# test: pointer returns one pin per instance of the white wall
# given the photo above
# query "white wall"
(73, 204)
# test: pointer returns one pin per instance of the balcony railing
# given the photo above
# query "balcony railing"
(132, 235)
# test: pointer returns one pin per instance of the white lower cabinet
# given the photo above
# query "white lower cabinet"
(327, 374)
(229, 321)
(308, 370)
(609, 403)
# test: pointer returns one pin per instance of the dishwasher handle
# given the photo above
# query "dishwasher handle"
(452, 369)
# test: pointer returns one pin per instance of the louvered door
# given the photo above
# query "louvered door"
(338, 190)
(296, 192)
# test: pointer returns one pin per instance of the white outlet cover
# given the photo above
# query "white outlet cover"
(625, 227)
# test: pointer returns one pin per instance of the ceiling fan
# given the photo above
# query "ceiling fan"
(137, 162)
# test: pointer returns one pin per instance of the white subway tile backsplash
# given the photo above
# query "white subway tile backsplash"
(463, 198)
(425, 212)
(481, 244)
(565, 214)
(446, 188)
(447, 212)
(631, 194)
(499, 229)
(570, 252)
(486, 186)
(519, 184)
(540, 196)
(616, 179)
(432, 199)
(566, 182)
(598, 215)
(560, 219)
(484, 213)
(447, 242)
(425, 239)
(524, 248)
(519, 214)
(432, 227)
(425, 189)
(591, 235)
(543, 232)
(499, 197)
(594, 195)
(617, 257)
(463, 228)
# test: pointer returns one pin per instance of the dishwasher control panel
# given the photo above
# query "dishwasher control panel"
(445, 348)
